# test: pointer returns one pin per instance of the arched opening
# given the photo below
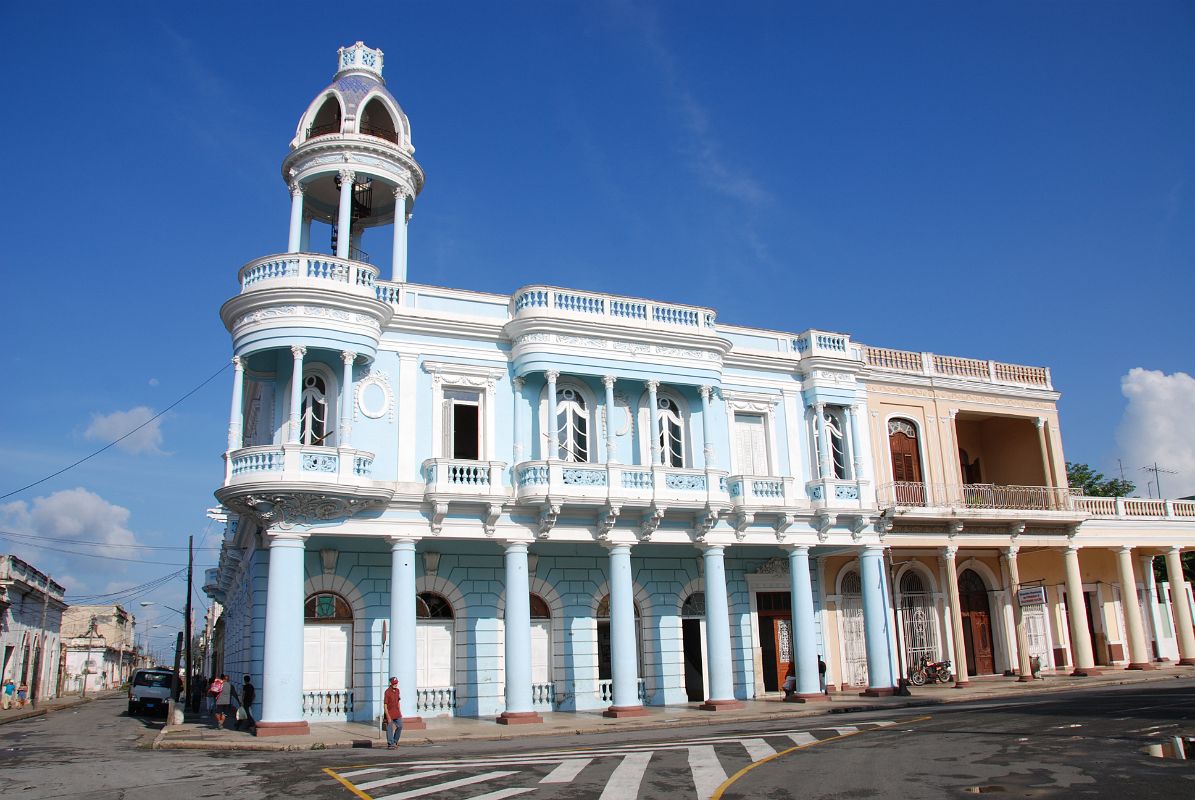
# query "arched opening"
(572, 425)
(604, 647)
(315, 404)
(376, 121)
(692, 613)
(977, 623)
(852, 636)
(775, 614)
(672, 431)
(905, 452)
(541, 641)
(434, 641)
(917, 619)
(327, 119)
(836, 446)
(327, 643)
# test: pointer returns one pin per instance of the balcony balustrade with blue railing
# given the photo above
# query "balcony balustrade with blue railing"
(297, 269)
(448, 476)
(619, 484)
(761, 491)
(300, 464)
(538, 301)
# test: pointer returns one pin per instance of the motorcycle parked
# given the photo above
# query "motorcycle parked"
(929, 671)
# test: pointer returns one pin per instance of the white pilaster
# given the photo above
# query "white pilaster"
(553, 422)
(346, 400)
(296, 392)
(653, 421)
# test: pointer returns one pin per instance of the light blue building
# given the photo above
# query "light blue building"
(551, 501)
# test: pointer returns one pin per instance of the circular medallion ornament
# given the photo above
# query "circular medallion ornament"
(373, 398)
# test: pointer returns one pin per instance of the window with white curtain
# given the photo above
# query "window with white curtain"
(672, 431)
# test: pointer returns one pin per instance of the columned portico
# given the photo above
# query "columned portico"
(1024, 666)
(403, 660)
(717, 633)
(875, 623)
(1138, 652)
(296, 392)
(518, 639)
(624, 666)
(282, 661)
(804, 621)
(949, 556)
(1182, 610)
(1076, 609)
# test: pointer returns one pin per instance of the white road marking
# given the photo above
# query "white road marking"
(443, 787)
(802, 738)
(625, 780)
(357, 772)
(708, 774)
(410, 776)
(758, 748)
(567, 770)
(845, 729)
(501, 793)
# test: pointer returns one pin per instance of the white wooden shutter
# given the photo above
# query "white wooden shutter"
(751, 444)
(541, 651)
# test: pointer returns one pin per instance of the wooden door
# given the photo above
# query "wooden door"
(782, 628)
(977, 624)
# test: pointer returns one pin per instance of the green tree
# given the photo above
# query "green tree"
(1094, 484)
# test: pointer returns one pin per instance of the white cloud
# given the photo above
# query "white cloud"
(1157, 427)
(72, 514)
(110, 427)
(153, 382)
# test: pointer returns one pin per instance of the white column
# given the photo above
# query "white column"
(553, 422)
(719, 660)
(706, 427)
(624, 657)
(403, 662)
(823, 441)
(236, 415)
(1076, 610)
(294, 241)
(398, 261)
(1138, 652)
(344, 218)
(804, 623)
(346, 400)
(956, 616)
(608, 382)
(1024, 666)
(852, 414)
(517, 622)
(653, 421)
(282, 664)
(517, 418)
(296, 392)
(1181, 607)
(305, 235)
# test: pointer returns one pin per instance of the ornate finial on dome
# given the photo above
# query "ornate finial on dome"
(359, 59)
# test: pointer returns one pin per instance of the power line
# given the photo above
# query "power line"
(91, 542)
(92, 455)
(90, 555)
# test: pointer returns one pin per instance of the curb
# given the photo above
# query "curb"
(160, 742)
(41, 712)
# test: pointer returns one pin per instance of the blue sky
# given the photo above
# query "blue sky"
(1009, 181)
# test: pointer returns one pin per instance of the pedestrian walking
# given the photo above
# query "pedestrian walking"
(9, 694)
(245, 712)
(22, 694)
(225, 700)
(821, 673)
(392, 714)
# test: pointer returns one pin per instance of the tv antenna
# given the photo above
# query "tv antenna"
(1157, 471)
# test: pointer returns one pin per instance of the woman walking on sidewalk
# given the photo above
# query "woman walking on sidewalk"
(224, 700)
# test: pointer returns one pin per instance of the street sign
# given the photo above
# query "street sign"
(1031, 595)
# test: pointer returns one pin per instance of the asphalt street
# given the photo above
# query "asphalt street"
(1079, 744)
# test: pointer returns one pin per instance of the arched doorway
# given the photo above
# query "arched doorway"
(541, 641)
(977, 623)
(917, 619)
(775, 637)
(434, 628)
(906, 463)
(327, 643)
(692, 614)
(605, 650)
(854, 642)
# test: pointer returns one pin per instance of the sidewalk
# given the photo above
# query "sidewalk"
(200, 734)
(53, 704)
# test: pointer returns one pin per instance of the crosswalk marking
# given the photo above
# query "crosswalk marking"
(501, 793)
(627, 776)
(567, 770)
(410, 776)
(802, 738)
(443, 787)
(845, 729)
(707, 770)
(357, 772)
(758, 748)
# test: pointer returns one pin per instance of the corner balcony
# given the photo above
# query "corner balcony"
(762, 493)
(301, 483)
(596, 485)
(979, 502)
(308, 270)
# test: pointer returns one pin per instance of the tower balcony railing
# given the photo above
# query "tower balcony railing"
(548, 301)
(618, 484)
(762, 491)
(978, 496)
(309, 269)
(294, 463)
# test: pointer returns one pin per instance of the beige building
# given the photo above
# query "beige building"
(100, 647)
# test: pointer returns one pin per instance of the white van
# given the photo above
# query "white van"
(149, 691)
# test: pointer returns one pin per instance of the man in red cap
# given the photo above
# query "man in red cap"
(392, 714)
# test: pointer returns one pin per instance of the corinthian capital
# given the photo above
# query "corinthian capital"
(346, 176)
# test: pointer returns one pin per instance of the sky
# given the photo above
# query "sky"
(993, 180)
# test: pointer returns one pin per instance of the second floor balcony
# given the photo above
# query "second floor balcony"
(595, 485)
(936, 501)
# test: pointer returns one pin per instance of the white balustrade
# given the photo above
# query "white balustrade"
(761, 490)
(550, 301)
(435, 700)
(605, 691)
(310, 269)
(970, 369)
(543, 696)
(256, 459)
(300, 463)
(463, 477)
(598, 484)
(332, 704)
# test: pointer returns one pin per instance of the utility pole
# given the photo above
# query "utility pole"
(1157, 471)
(35, 695)
(187, 621)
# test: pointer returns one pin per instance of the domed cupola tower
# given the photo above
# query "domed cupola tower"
(351, 164)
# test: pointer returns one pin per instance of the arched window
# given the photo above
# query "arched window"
(327, 119)
(429, 605)
(327, 643)
(572, 425)
(694, 605)
(837, 444)
(327, 607)
(314, 410)
(672, 432)
(376, 121)
(906, 462)
(434, 641)
(917, 618)
(854, 647)
(541, 641)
